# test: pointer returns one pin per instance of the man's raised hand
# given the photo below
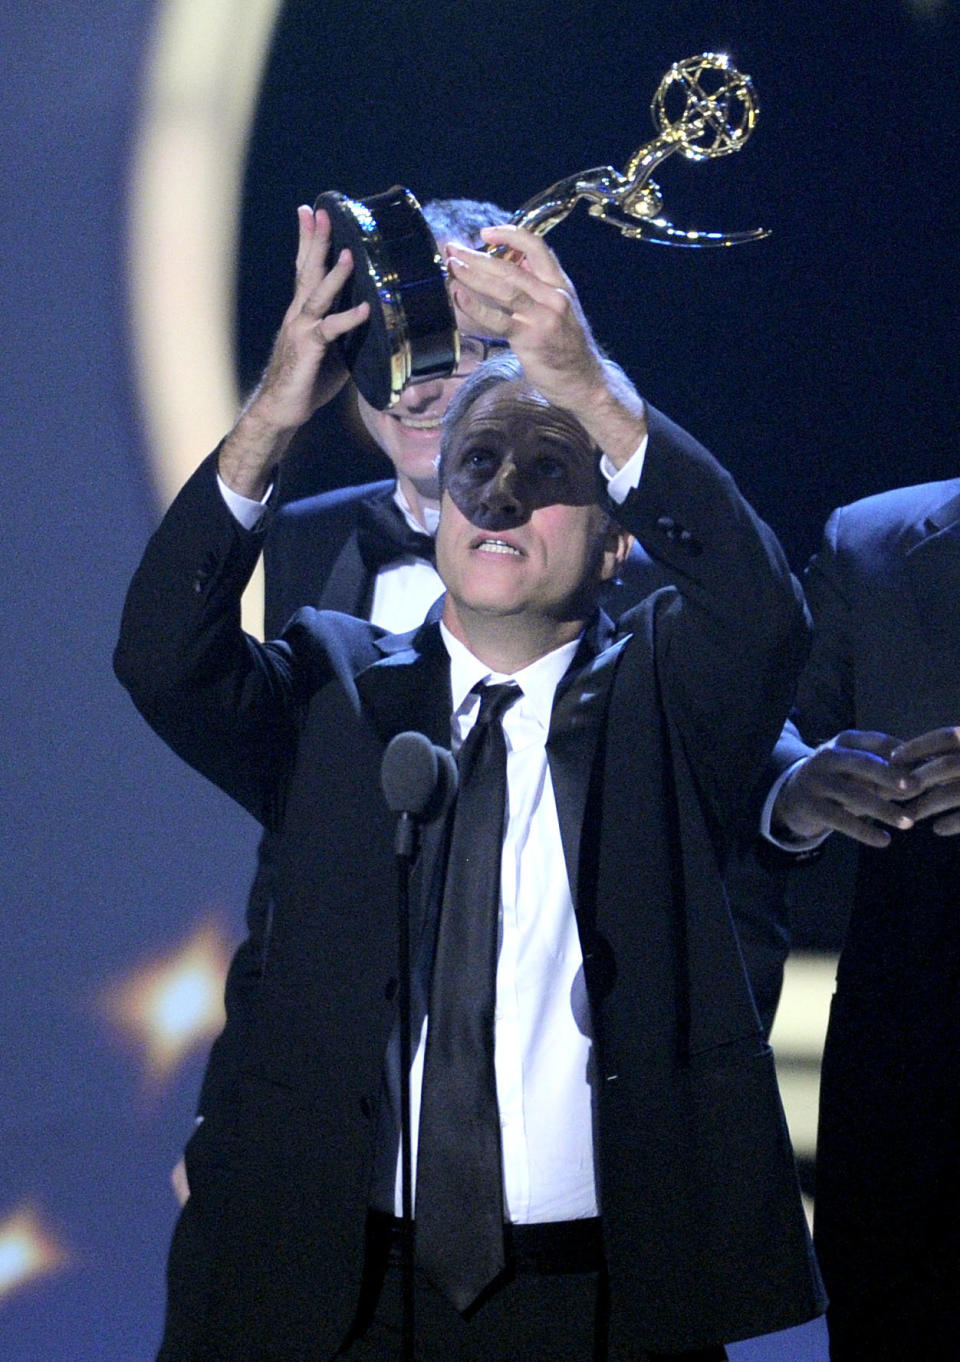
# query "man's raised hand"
(304, 372)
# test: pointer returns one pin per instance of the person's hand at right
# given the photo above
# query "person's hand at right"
(849, 785)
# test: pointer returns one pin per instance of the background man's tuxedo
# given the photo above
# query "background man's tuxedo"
(651, 751)
(883, 591)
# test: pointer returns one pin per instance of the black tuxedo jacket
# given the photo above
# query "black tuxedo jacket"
(883, 591)
(311, 557)
(653, 741)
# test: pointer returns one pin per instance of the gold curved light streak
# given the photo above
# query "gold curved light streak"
(202, 76)
(797, 1040)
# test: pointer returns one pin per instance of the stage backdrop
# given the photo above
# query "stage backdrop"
(152, 159)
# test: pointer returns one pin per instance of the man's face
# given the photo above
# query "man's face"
(409, 432)
(520, 529)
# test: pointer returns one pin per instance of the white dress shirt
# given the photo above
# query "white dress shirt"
(405, 589)
(794, 844)
(542, 1029)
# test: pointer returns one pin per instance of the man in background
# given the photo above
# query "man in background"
(878, 706)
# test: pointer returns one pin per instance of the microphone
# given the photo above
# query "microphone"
(419, 781)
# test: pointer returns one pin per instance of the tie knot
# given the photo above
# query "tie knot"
(496, 700)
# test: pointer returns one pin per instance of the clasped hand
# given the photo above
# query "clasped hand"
(861, 783)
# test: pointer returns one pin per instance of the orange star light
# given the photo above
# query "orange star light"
(27, 1251)
(175, 1005)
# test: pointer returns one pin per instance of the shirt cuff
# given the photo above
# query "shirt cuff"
(249, 513)
(622, 481)
(794, 844)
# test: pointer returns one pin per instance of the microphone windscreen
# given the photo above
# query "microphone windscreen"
(409, 773)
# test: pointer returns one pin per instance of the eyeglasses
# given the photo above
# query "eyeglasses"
(474, 350)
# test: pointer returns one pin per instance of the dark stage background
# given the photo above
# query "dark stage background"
(819, 365)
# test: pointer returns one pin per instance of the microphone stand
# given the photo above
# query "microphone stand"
(419, 780)
(405, 848)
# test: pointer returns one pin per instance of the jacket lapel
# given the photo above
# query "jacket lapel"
(575, 727)
(347, 587)
(409, 688)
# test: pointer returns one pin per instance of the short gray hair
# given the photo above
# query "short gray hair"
(462, 219)
(503, 367)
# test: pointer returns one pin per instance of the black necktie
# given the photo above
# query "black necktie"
(383, 535)
(459, 1210)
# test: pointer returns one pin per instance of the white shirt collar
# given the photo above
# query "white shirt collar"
(538, 680)
(431, 514)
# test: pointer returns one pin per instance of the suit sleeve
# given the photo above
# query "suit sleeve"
(825, 694)
(230, 706)
(824, 703)
(731, 639)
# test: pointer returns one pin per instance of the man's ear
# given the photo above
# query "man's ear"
(616, 550)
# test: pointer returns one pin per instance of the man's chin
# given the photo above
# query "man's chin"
(493, 609)
(524, 611)
(419, 466)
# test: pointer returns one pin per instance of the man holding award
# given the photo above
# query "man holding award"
(602, 1168)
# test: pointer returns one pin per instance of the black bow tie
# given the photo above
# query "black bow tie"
(383, 536)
